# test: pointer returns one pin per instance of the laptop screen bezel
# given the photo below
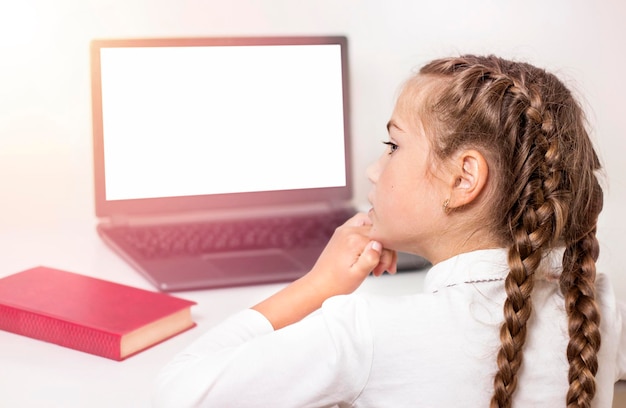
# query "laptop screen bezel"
(169, 205)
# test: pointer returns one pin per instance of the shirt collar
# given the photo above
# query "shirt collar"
(476, 266)
(485, 265)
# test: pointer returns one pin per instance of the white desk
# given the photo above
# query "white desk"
(36, 374)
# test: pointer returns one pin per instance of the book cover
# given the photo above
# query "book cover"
(89, 314)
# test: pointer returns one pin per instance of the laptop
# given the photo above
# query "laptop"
(221, 162)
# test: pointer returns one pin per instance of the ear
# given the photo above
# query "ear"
(470, 175)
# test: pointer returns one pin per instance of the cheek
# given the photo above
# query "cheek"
(402, 187)
(398, 199)
(406, 205)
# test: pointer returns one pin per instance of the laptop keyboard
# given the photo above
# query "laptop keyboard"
(169, 240)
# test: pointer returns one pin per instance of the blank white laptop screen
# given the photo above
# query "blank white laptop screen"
(197, 120)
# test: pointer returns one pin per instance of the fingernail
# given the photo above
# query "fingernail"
(377, 246)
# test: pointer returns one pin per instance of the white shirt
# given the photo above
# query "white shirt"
(433, 349)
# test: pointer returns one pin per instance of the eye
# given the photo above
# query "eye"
(392, 146)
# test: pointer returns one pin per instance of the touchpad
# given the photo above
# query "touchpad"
(273, 263)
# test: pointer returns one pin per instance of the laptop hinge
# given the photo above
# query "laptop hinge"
(125, 220)
(116, 220)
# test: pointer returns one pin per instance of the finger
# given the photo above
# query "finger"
(393, 265)
(378, 270)
(369, 258)
(387, 263)
(359, 219)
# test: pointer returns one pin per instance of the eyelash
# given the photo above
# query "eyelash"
(392, 146)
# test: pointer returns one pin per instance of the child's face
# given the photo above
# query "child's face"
(407, 193)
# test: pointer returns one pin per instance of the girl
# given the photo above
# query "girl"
(489, 174)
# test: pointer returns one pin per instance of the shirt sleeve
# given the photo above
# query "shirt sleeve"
(319, 361)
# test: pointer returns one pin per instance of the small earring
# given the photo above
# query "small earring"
(445, 206)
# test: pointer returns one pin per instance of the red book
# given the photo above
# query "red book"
(88, 314)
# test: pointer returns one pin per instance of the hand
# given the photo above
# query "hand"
(349, 257)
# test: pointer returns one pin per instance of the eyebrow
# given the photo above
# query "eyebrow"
(391, 124)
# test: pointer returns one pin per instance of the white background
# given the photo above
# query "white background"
(45, 107)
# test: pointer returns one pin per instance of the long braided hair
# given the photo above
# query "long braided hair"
(546, 195)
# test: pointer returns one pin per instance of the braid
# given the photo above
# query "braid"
(584, 320)
(577, 283)
(532, 223)
(531, 128)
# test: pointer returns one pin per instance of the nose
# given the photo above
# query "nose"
(373, 171)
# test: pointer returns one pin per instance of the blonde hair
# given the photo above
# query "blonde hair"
(546, 194)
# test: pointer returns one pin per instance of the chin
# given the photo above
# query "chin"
(387, 241)
(377, 235)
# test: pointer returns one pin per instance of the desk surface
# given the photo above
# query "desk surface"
(35, 373)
